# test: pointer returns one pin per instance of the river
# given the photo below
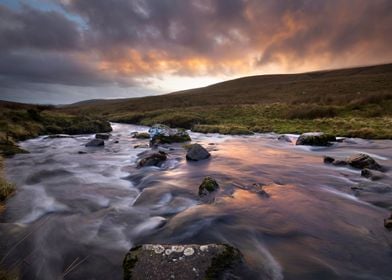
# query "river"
(75, 215)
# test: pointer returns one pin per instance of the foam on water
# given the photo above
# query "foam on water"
(96, 205)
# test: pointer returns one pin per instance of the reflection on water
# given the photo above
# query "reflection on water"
(76, 215)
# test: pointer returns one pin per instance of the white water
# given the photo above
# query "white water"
(96, 206)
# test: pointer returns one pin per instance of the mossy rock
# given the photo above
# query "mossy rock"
(208, 186)
(315, 139)
(169, 139)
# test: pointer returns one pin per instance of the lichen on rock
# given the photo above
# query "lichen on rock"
(211, 261)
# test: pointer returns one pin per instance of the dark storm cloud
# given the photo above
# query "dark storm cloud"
(170, 24)
(53, 68)
(102, 42)
(31, 28)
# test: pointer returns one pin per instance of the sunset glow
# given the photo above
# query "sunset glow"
(152, 47)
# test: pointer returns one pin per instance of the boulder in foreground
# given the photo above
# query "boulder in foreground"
(95, 143)
(315, 139)
(197, 152)
(162, 134)
(183, 262)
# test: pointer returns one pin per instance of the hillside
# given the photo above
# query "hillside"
(350, 102)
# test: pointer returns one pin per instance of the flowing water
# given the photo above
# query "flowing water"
(74, 215)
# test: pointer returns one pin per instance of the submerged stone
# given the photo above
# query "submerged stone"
(95, 143)
(315, 139)
(154, 159)
(182, 262)
(284, 138)
(388, 222)
(208, 186)
(141, 135)
(197, 152)
(372, 174)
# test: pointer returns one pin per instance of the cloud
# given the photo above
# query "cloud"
(35, 29)
(127, 43)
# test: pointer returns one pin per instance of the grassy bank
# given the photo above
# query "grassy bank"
(6, 188)
(353, 102)
(21, 122)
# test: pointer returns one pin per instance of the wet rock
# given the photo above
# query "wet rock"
(116, 142)
(361, 161)
(141, 146)
(103, 136)
(372, 174)
(141, 135)
(182, 262)
(197, 152)
(388, 223)
(377, 193)
(162, 134)
(152, 159)
(82, 152)
(255, 188)
(328, 159)
(315, 139)
(95, 143)
(339, 162)
(284, 138)
(336, 162)
(375, 187)
(208, 186)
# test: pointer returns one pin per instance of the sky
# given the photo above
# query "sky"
(64, 51)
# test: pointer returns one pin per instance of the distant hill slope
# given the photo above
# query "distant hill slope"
(323, 87)
(355, 102)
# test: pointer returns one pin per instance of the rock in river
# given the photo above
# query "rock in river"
(315, 139)
(361, 161)
(372, 174)
(152, 159)
(141, 135)
(284, 138)
(95, 143)
(162, 134)
(182, 262)
(103, 136)
(208, 186)
(388, 222)
(197, 152)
